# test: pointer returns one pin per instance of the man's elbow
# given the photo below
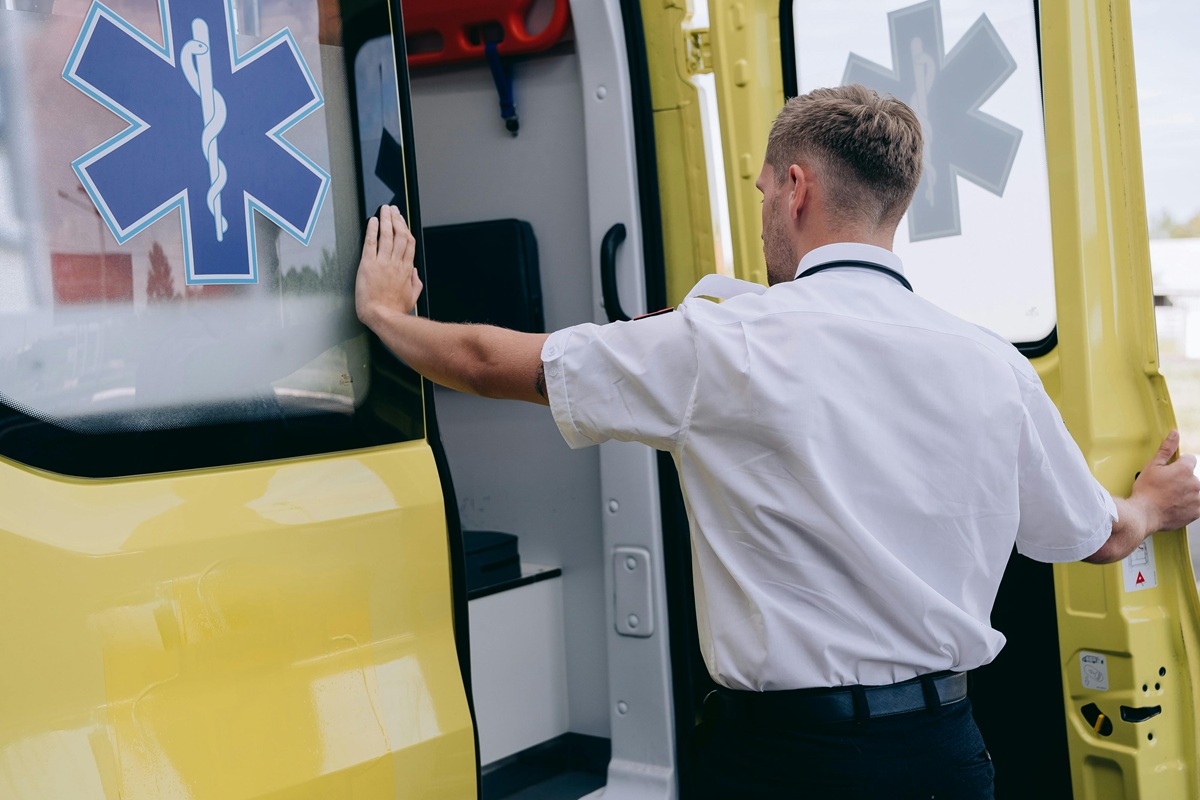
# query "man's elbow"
(1109, 553)
(1104, 555)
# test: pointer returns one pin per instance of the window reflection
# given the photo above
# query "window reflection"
(99, 335)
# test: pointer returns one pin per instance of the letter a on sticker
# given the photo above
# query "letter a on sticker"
(1140, 579)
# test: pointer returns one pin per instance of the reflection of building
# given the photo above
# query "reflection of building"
(92, 277)
(1175, 264)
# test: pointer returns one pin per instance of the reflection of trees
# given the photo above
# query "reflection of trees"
(329, 279)
(160, 284)
(1166, 226)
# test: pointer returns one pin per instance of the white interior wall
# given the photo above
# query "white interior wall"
(511, 470)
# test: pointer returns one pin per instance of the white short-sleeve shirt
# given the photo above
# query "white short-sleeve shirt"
(857, 465)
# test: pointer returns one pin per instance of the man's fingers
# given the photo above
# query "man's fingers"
(404, 242)
(1167, 449)
(386, 235)
(371, 243)
(403, 237)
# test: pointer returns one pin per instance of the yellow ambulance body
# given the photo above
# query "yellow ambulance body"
(232, 561)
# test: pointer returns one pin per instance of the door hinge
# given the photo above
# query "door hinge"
(699, 51)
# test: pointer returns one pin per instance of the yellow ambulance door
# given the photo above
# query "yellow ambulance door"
(224, 563)
(1128, 631)
(1029, 220)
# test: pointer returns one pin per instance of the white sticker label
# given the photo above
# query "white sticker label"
(1140, 572)
(1094, 669)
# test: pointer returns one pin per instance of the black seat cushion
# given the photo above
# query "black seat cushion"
(485, 272)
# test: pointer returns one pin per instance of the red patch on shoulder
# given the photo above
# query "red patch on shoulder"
(654, 313)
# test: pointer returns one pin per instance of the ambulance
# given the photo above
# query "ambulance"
(247, 553)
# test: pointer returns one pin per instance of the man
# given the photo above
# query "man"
(857, 466)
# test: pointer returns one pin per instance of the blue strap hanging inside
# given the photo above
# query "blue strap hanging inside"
(504, 87)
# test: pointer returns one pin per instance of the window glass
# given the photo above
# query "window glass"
(976, 239)
(378, 121)
(180, 217)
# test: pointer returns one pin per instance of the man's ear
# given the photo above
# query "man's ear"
(799, 187)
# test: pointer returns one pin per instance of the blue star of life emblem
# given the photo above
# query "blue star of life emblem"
(946, 90)
(205, 133)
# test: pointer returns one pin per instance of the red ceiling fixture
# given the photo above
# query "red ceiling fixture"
(451, 31)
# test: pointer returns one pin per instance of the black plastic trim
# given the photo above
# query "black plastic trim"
(574, 759)
(1139, 714)
(1039, 348)
(787, 48)
(647, 155)
(515, 583)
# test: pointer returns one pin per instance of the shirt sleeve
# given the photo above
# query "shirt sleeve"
(1066, 515)
(629, 381)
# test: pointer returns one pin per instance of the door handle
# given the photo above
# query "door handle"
(608, 273)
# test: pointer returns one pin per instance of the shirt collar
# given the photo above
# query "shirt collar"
(850, 251)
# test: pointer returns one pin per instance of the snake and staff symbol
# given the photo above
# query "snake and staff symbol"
(196, 61)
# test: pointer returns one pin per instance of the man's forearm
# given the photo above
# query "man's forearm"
(1129, 530)
(477, 359)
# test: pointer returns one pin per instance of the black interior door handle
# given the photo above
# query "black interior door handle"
(608, 273)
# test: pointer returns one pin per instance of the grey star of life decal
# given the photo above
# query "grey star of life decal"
(946, 90)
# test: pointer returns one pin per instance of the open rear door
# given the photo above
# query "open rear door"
(1127, 632)
(224, 562)
(1029, 220)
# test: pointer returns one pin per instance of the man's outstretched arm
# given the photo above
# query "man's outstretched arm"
(478, 359)
(1165, 497)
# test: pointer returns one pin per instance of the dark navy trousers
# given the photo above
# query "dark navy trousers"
(936, 755)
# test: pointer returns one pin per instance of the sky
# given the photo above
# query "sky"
(1167, 61)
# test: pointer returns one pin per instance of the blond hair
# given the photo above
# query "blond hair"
(867, 149)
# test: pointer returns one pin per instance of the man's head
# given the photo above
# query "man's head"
(842, 164)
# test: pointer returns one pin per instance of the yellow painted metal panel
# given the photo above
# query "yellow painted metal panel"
(688, 245)
(274, 631)
(749, 75)
(1116, 405)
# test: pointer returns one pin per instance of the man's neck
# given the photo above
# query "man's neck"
(878, 238)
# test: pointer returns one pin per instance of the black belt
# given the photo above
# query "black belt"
(840, 704)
